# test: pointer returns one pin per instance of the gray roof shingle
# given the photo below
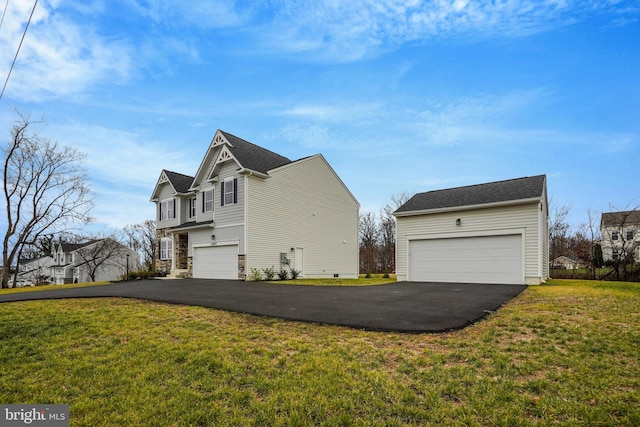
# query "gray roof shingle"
(253, 157)
(180, 182)
(480, 194)
(617, 219)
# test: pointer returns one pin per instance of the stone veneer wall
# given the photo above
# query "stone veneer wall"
(181, 252)
(242, 267)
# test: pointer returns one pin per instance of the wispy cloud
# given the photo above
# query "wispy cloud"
(347, 31)
(58, 57)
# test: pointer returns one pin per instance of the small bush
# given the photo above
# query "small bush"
(368, 275)
(256, 275)
(385, 276)
(283, 274)
(294, 274)
(269, 273)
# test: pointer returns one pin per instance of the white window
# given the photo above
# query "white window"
(229, 189)
(614, 235)
(207, 201)
(167, 209)
(192, 207)
(166, 248)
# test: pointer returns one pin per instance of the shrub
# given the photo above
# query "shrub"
(294, 273)
(283, 274)
(256, 275)
(385, 276)
(269, 273)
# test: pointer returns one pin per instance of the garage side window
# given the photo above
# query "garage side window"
(166, 248)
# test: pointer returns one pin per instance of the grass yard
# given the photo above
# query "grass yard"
(567, 353)
(50, 287)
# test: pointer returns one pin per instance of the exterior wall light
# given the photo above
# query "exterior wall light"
(458, 221)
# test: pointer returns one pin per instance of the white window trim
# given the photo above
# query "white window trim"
(229, 182)
(205, 208)
(193, 207)
(166, 248)
(164, 212)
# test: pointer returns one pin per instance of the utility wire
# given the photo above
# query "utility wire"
(19, 46)
(4, 12)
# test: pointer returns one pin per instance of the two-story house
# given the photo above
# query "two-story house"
(97, 260)
(620, 235)
(250, 208)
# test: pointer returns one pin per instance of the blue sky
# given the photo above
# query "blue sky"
(399, 96)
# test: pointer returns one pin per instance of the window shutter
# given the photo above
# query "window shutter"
(174, 208)
(222, 193)
(203, 202)
(235, 190)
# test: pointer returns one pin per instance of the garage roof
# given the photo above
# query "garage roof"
(512, 190)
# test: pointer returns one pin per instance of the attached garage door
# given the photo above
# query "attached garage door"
(216, 262)
(485, 259)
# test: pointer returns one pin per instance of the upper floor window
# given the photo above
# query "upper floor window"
(207, 201)
(192, 207)
(629, 235)
(614, 235)
(166, 248)
(167, 209)
(229, 192)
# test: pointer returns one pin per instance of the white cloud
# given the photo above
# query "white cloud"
(348, 31)
(58, 56)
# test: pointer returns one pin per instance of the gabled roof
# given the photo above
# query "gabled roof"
(180, 182)
(70, 247)
(253, 157)
(617, 219)
(512, 190)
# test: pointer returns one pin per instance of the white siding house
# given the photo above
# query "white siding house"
(255, 209)
(488, 233)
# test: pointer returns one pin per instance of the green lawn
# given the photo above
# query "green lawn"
(567, 353)
(50, 287)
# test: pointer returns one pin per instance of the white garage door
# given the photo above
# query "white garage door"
(215, 262)
(485, 259)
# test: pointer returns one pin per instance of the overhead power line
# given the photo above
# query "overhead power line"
(19, 46)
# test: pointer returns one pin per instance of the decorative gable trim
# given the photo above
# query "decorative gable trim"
(224, 156)
(219, 140)
(163, 178)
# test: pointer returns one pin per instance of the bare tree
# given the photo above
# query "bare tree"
(387, 231)
(101, 254)
(45, 190)
(368, 243)
(620, 238)
(142, 239)
(558, 232)
(589, 250)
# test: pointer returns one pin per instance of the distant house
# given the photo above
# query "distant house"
(34, 270)
(249, 209)
(105, 259)
(488, 233)
(620, 235)
(566, 263)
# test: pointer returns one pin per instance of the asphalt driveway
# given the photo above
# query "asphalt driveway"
(399, 307)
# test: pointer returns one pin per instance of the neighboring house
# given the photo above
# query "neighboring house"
(248, 208)
(620, 235)
(566, 263)
(32, 270)
(105, 259)
(489, 233)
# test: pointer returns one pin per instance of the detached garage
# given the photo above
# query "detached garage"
(489, 233)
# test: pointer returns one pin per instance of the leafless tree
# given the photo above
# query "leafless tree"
(387, 233)
(45, 190)
(369, 235)
(101, 254)
(558, 231)
(142, 239)
(589, 250)
(620, 230)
